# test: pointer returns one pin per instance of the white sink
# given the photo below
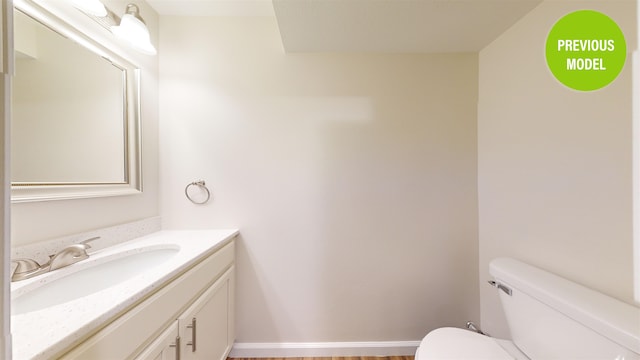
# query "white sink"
(95, 277)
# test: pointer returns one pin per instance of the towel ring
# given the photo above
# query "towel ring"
(201, 185)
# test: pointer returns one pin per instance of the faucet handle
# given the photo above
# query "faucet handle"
(24, 269)
(86, 242)
(25, 265)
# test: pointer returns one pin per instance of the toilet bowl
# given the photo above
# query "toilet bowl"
(549, 317)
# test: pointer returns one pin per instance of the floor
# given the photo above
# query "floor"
(333, 358)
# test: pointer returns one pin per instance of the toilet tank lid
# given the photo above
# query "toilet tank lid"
(612, 318)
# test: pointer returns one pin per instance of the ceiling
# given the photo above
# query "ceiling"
(213, 7)
(381, 26)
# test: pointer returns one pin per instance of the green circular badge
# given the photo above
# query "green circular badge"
(586, 50)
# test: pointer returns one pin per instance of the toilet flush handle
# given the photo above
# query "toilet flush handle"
(502, 287)
(473, 327)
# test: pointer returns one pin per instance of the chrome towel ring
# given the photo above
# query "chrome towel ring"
(200, 184)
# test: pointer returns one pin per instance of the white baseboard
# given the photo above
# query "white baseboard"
(324, 349)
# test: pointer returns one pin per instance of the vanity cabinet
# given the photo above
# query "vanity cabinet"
(203, 331)
(194, 310)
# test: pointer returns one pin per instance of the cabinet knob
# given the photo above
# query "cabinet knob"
(192, 343)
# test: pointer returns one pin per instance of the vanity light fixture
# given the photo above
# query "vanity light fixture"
(133, 29)
(130, 28)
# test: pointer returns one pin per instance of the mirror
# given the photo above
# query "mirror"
(75, 115)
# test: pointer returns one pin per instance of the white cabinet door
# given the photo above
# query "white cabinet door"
(206, 328)
(164, 347)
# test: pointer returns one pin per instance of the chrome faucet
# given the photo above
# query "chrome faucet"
(67, 256)
(28, 268)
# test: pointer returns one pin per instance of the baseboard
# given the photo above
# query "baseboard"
(324, 349)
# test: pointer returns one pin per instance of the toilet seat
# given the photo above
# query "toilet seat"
(454, 343)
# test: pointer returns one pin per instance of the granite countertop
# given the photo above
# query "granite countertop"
(45, 333)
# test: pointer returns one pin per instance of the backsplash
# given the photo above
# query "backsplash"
(108, 237)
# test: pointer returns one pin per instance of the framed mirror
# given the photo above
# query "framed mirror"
(75, 127)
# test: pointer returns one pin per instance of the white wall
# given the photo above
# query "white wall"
(636, 163)
(554, 178)
(33, 222)
(352, 179)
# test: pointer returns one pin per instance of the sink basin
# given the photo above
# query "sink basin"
(89, 280)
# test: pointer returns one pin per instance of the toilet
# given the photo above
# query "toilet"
(549, 317)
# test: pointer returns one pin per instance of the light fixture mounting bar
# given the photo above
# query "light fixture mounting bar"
(111, 19)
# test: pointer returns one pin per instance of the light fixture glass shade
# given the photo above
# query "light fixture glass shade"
(133, 30)
(91, 7)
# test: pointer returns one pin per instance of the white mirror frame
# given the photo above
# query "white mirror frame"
(30, 192)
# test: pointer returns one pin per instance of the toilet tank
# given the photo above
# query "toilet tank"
(550, 317)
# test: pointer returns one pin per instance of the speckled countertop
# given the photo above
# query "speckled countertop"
(45, 333)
